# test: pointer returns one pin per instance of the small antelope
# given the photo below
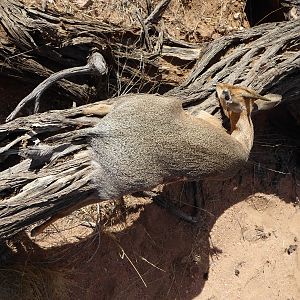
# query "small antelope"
(147, 140)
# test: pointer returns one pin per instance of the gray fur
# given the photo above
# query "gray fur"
(147, 140)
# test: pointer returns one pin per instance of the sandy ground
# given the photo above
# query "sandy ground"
(258, 238)
(246, 245)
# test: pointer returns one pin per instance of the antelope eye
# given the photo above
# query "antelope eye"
(226, 95)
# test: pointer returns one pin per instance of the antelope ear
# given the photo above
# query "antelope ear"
(267, 102)
(220, 87)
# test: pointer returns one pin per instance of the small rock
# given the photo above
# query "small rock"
(205, 31)
(291, 249)
(236, 16)
(221, 30)
(216, 35)
(45, 3)
(294, 14)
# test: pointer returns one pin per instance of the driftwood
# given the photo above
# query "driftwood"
(45, 166)
(58, 165)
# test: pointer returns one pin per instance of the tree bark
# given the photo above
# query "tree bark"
(45, 167)
(265, 58)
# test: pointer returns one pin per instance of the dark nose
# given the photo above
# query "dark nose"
(226, 96)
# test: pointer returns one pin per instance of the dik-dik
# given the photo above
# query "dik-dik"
(147, 140)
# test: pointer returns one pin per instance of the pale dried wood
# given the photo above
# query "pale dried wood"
(47, 43)
(185, 54)
(96, 66)
(265, 58)
(156, 14)
(49, 176)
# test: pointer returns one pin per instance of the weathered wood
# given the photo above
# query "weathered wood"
(265, 58)
(96, 66)
(185, 54)
(157, 12)
(48, 43)
(45, 166)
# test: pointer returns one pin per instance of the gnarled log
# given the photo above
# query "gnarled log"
(265, 58)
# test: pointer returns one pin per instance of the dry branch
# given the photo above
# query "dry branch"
(157, 12)
(56, 173)
(47, 43)
(96, 66)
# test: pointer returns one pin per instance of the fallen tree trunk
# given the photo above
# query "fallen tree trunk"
(45, 166)
(265, 58)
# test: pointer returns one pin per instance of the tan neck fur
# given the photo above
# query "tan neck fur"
(242, 129)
